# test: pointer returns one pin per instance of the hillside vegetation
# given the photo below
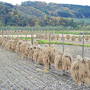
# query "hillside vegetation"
(33, 13)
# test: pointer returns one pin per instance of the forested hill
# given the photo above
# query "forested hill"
(61, 10)
(31, 13)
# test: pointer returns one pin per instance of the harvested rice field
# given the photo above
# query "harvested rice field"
(22, 74)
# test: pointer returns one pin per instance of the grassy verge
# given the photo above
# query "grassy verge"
(54, 42)
(65, 43)
(25, 38)
(72, 32)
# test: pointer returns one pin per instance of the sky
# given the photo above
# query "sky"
(79, 2)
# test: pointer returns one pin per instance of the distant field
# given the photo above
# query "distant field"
(55, 42)
(85, 20)
(73, 32)
(65, 43)
(28, 32)
(15, 30)
(25, 38)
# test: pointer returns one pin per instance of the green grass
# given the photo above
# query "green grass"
(55, 29)
(55, 42)
(25, 38)
(72, 32)
(65, 43)
(56, 32)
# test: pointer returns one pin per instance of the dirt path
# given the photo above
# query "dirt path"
(21, 74)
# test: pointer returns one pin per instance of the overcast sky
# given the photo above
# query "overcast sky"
(80, 2)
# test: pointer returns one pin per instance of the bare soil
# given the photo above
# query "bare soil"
(21, 74)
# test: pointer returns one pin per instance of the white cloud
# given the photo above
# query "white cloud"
(13, 1)
(81, 2)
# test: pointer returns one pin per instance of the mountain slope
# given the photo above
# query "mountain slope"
(29, 11)
(44, 14)
(61, 10)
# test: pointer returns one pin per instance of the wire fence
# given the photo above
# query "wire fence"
(48, 36)
(60, 40)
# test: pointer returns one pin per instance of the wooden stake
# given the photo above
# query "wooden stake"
(63, 42)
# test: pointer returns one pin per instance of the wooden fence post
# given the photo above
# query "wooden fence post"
(26, 35)
(49, 39)
(63, 42)
(32, 36)
(83, 42)
(2, 32)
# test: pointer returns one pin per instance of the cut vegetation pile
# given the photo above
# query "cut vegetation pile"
(78, 68)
